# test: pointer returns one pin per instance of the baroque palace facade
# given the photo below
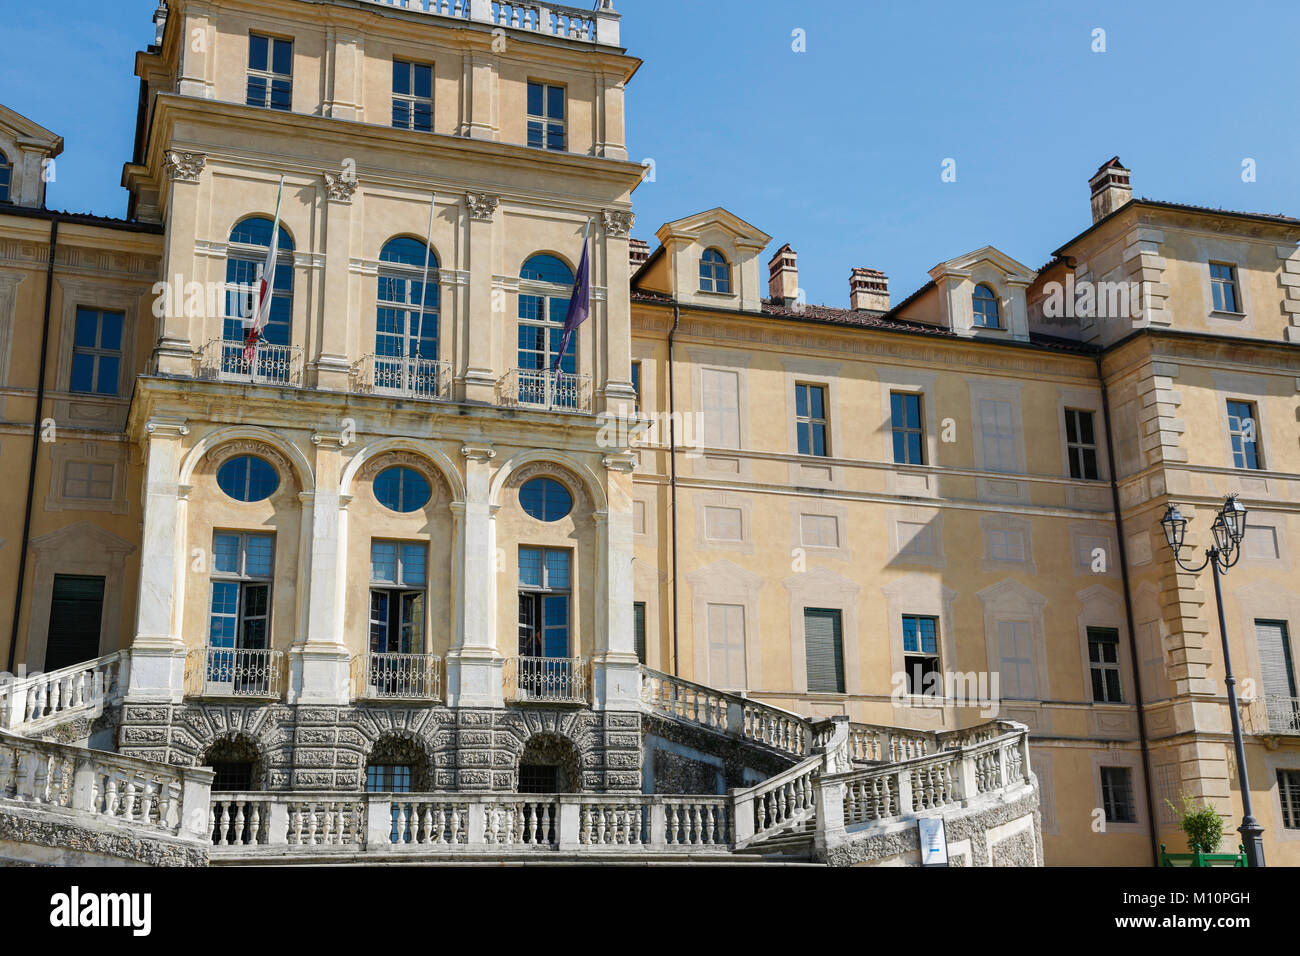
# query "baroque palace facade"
(732, 536)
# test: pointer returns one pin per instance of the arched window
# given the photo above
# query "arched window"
(715, 272)
(245, 258)
(248, 478)
(985, 303)
(545, 287)
(406, 324)
(6, 177)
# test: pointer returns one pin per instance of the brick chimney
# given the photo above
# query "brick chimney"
(1110, 188)
(868, 290)
(638, 251)
(783, 276)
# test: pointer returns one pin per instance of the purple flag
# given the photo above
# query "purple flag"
(579, 304)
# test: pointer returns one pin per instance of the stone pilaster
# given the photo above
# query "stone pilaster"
(158, 649)
(333, 369)
(318, 661)
(480, 310)
(474, 665)
(616, 671)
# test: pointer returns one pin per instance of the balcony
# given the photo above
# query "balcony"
(547, 19)
(230, 672)
(425, 379)
(1283, 714)
(547, 680)
(545, 390)
(223, 361)
(403, 677)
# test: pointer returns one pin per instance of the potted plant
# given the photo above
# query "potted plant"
(1202, 825)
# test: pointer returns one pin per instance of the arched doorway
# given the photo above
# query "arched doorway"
(549, 763)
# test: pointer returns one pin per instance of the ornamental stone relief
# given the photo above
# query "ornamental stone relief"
(557, 472)
(184, 166)
(482, 207)
(408, 459)
(618, 223)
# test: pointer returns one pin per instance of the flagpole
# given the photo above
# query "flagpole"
(424, 281)
(253, 338)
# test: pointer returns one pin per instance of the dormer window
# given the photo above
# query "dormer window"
(985, 305)
(715, 272)
(6, 173)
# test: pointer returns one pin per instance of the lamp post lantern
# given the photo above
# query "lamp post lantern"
(1228, 529)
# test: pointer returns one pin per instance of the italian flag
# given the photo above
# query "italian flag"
(265, 286)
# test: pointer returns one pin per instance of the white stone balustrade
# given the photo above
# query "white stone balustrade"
(726, 713)
(81, 690)
(106, 787)
(600, 26)
(778, 804)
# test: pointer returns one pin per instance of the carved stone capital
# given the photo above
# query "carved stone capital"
(167, 427)
(623, 462)
(478, 452)
(184, 166)
(482, 207)
(339, 187)
(618, 223)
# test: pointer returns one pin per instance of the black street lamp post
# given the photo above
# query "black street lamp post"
(1228, 529)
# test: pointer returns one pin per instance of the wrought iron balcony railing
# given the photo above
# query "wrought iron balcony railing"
(392, 676)
(235, 672)
(1283, 714)
(546, 390)
(224, 360)
(553, 680)
(406, 377)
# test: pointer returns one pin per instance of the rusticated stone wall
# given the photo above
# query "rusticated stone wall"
(327, 748)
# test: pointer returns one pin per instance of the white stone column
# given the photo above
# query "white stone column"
(474, 665)
(616, 671)
(158, 649)
(319, 663)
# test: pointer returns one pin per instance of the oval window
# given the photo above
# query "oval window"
(248, 478)
(402, 489)
(545, 499)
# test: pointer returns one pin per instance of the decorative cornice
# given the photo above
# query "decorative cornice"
(184, 166)
(339, 187)
(618, 223)
(482, 206)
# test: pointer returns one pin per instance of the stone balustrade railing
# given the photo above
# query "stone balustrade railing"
(600, 26)
(304, 823)
(105, 787)
(955, 776)
(726, 713)
(778, 804)
(871, 743)
(38, 700)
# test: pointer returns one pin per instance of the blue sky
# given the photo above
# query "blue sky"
(838, 150)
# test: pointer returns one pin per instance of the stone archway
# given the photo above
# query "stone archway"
(393, 750)
(549, 763)
(238, 762)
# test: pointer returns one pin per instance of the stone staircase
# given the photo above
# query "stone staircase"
(847, 793)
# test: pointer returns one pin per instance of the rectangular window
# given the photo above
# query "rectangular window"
(1081, 444)
(97, 352)
(412, 96)
(270, 72)
(1288, 791)
(998, 434)
(1117, 795)
(1243, 429)
(636, 383)
(921, 655)
(88, 480)
(1276, 668)
(724, 524)
(398, 573)
(909, 433)
(721, 404)
(1016, 659)
(823, 650)
(810, 419)
(1006, 544)
(638, 629)
(819, 531)
(726, 624)
(394, 778)
(1103, 662)
(242, 568)
(546, 116)
(1223, 284)
(544, 591)
(76, 613)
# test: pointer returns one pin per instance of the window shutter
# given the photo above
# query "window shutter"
(824, 650)
(638, 629)
(1275, 659)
